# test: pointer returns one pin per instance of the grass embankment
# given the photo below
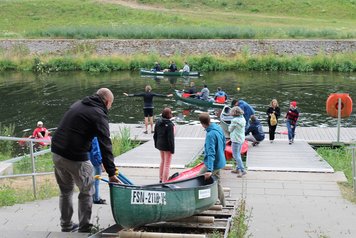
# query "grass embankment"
(20, 190)
(178, 19)
(341, 160)
(243, 62)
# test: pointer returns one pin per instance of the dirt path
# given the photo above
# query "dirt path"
(136, 5)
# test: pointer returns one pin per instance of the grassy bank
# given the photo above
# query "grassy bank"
(205, 63)
(178, 19)
(20, 190)
(341, 159)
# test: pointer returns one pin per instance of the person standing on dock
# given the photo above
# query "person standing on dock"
(97, 162)
(71, 144)
(148, 105)
(214, 152)
(246, 108)
(164, 141)
(237, 136)
(273, 112)
(292, 118)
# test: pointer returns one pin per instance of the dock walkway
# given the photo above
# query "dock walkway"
(278, 156)
(286, 204)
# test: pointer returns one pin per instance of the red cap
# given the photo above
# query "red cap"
(293, 103)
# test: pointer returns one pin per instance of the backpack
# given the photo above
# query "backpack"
(273, 120)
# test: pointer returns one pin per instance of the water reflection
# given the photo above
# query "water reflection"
(27, 98)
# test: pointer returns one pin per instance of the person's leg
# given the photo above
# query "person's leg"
(236, 152)
(221, 195)
(161, 165)
(293, 132)
(272, 132)
(97, 171)
(66, 187)
(82, 174)
(289, 130)
(151, 124)
(166, 165)
(251, 138)
(146, 124)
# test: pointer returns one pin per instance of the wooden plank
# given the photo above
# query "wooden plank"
(280, 156)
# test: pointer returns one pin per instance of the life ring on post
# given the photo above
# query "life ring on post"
(332, 104)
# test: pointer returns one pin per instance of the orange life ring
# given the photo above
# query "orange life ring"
(333, 102)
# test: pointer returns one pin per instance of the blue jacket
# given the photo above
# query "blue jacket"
(248, 111)
(214, 148)
(256, 130)
(95, 154)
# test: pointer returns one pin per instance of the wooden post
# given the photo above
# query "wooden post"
(33, 170)
(354, 168)
(338, 119)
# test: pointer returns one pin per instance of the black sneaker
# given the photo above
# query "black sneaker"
(86, 229)
(100, 201)
(72, 229)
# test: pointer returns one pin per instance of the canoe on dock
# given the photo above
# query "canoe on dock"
(134, 206)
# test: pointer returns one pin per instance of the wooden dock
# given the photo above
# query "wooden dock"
(279, 156)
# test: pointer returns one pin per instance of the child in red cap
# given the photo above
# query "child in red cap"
(292, 118)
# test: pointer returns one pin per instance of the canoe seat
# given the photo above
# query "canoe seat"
(171, 186)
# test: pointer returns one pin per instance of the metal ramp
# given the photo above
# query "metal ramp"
(280, 156)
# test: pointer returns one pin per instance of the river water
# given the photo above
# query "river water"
(27, 97)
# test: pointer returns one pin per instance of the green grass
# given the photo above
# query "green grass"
(204, 63)
(341, 159)
(179, 19)
(10, 195)
(19, 190)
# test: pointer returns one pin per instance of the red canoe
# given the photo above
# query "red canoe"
(228, 150)
(186, 174)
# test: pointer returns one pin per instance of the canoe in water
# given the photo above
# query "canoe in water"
(176, 73)
(134, 206)
(180, 95)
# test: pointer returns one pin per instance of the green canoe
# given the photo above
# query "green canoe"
(225, 118)
(133, 206)
(161, 73)
(180, 95)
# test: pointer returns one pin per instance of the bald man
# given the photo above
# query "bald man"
(71, 143)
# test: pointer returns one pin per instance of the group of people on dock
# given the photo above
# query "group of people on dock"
(84, 128)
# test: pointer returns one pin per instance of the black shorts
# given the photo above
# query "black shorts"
(148, 112)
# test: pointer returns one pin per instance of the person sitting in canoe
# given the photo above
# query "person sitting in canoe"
(256, 130)
(172, 67)
(191, 92)
(186, 68)
(40, 131)
(204, 94)
(157, 67)
(220, 96)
